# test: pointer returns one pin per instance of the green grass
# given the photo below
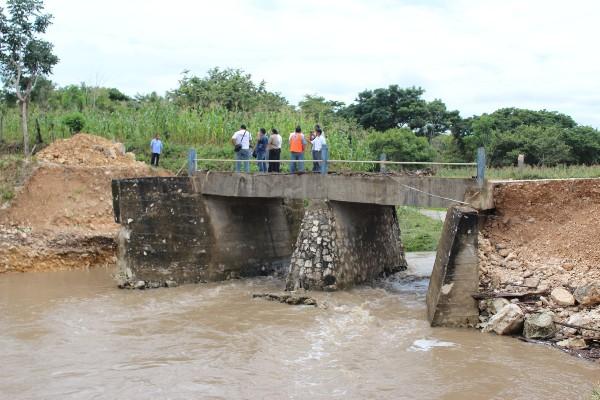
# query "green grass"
(418, 232)
(13, 171)
(596, 394)
(528, 172)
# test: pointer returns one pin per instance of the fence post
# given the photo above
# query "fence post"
(382, 166)
(191, 162)
(521, 162)
(480, 166)
(324, 159)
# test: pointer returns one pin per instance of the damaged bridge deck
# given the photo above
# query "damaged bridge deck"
(379, 189)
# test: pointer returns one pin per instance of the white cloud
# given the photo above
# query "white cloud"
(476, 55)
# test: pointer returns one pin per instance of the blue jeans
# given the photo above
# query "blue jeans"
(262, 165)
(242, 157)
(297, 163)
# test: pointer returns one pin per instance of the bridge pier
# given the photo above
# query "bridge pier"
(341, 244)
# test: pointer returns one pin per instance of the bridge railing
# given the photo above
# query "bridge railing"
(193, 162)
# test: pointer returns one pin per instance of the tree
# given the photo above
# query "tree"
(319, 109)
(545, 137)
(228, 88)
(395, 107)
(400, 145)
(24, 57)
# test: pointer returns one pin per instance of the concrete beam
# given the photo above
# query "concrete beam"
(357, 188)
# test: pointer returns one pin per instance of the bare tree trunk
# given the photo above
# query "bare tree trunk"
(24, 128)
(38, 132)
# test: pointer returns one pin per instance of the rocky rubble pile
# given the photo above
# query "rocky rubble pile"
(556, 300)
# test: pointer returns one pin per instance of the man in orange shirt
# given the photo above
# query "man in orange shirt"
(297, 144)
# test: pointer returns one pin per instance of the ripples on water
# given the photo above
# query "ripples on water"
(72, 335)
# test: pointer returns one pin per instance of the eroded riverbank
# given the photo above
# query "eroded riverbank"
(73, 334)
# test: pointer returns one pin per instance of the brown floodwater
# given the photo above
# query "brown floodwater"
(74, 335)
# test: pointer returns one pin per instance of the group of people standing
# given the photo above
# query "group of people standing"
(268, 149)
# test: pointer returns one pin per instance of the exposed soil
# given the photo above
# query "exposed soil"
(62, 216)
(551, 227)
(544, 235)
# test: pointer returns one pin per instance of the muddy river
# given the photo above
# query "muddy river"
(73, 335)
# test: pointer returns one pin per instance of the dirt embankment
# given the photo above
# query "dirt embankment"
(541, 253)
(62, 217)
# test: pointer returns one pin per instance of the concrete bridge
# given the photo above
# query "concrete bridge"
(321, 231)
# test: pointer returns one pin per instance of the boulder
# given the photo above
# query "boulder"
(562, 297)
(573, 343)
(170, 283)
(497, 305)
(531, 282)
(508, 320)
(141, 285)
(539, 326)
(588, 294)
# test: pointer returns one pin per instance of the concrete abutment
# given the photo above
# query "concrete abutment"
(455, 275)
(171, 232)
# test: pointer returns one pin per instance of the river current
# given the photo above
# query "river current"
(74, 335)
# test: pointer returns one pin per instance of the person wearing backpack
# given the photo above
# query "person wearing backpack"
(241, 147)
(297, 143)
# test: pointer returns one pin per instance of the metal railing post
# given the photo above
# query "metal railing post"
(480, 166)
(383, 159)
(192, 167)
(324, 159)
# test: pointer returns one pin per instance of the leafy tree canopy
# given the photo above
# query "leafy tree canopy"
(400, 145)
(231, 89)
(394, 107)
(24, 56)
(319, 109)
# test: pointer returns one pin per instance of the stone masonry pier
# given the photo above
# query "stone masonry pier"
(341, 244)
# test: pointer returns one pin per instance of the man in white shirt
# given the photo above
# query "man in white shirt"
(156, 147)
(317, 145)
(241, 142)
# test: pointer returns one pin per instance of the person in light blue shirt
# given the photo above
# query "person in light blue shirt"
(156, 147)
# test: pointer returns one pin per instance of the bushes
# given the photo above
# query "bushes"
(400, 145)
(74, 121)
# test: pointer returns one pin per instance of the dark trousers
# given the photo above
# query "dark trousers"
(316, 154)
(274, 154)
(154, 159)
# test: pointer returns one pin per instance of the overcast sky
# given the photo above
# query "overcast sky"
(475, 55)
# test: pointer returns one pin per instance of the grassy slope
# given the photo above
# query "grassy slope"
(558, 172)
(418, 232)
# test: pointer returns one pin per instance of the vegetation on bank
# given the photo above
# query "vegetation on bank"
(527, 172)
(596, 394)
(204, 112)
(13, 172)
(418, 232)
